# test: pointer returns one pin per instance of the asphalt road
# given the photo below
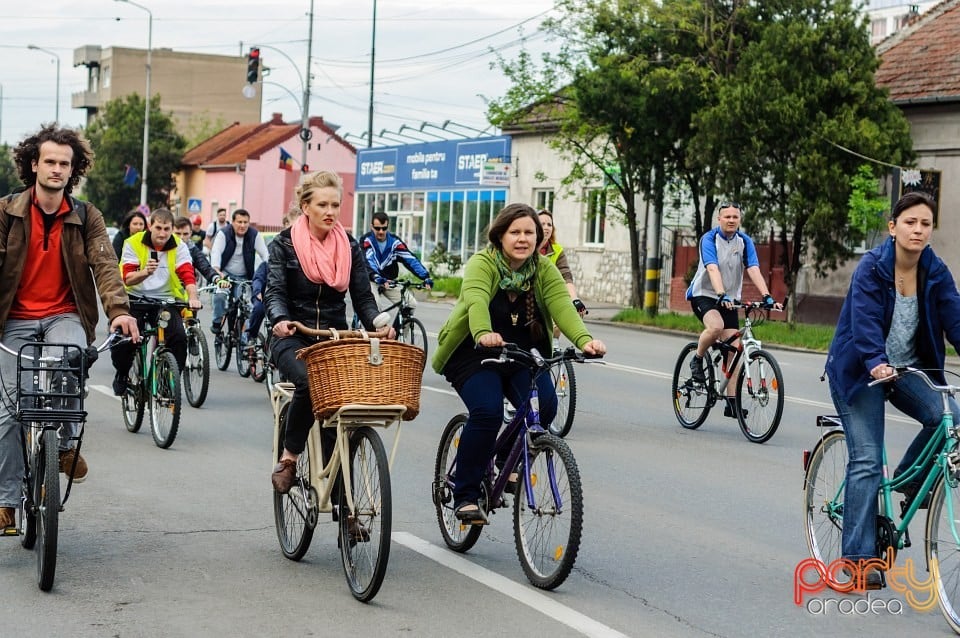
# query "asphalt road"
(687, 533)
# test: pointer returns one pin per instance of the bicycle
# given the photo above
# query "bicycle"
(353, 484)
(938, 466)
(759, 395)
(565, 385)
(196, 372)
(547, 493)
(409, 329)
(154, 377)
(235, 317)
(51, 386)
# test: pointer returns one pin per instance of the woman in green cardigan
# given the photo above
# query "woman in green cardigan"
(510, 293)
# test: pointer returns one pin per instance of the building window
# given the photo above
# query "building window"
(878, 28)
(106, 76)
(543, 199)
(596, 216)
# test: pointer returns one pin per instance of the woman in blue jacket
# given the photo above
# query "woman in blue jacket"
(901, 302)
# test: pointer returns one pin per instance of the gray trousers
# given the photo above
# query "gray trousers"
(65, 328)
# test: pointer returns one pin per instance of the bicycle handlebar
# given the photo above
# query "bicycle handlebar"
(511, 352)
(403, 283)
(90, 353)
(907, 370)
(341, 334)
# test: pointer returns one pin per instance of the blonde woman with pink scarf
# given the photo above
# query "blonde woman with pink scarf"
(313, 264)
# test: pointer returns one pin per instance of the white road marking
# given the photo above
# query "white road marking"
(520, 593)
(102, 389)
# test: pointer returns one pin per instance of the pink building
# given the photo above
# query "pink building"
(239, 167)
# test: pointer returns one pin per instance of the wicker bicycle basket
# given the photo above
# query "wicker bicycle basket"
(371, 372)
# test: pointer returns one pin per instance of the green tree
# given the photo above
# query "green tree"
(799, 111)
(202, 126)
(866, 205)
(117, 139)
(9, 179)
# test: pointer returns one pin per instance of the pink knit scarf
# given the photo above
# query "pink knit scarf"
(323, 262)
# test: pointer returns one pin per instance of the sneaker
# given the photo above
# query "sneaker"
(215, 327)
(67, 465)
(730, 410)
(119, 384)
(696, 370)
(872, 582)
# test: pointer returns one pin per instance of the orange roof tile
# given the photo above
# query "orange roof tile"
(921, 63)
(239, 142)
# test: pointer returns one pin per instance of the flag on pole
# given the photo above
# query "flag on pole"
(286, 160)
(130, 175)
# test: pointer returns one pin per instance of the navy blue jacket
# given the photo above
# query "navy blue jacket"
(249, 248)
(859, 343)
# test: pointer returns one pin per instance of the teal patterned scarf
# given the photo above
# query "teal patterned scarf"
(516, 281)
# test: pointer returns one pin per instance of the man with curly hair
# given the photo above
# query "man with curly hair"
(54, 254)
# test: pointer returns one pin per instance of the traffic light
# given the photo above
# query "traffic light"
(253, 65)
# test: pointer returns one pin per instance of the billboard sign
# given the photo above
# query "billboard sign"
(431, 165)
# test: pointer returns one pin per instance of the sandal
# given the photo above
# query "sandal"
(471, 514)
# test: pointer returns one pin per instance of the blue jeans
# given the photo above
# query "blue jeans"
(863, 423)
(483, 395)
(64, 328)
(220, 301)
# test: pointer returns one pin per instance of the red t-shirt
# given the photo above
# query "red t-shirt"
(44, 287)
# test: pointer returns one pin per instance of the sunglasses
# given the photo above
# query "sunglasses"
(729, 205)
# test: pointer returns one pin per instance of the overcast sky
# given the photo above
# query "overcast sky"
(432, 56)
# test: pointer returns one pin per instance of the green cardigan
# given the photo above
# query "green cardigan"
(471, 314)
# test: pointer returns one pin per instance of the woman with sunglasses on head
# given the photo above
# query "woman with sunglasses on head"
(726, 252)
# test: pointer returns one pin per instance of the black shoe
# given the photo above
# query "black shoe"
(730, 410)
(472, 516)
(909, 492)
(696, 370)
(119, 384)
(215, 328)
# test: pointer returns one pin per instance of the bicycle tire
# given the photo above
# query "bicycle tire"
(565, 383)
(196, 378)
(242, 360)
(365, 561)
(764, 403)
(823, 491)
(941, 547)
(47, 501)
(165, 404)
(132, 403)
(412, 331)
(28, 513)
(547, 534)
(691, 401)
(258, 369)
(456, 535)
(294, 513)
(222, 348)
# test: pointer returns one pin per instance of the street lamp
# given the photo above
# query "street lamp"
(57, 58)
(146, 108)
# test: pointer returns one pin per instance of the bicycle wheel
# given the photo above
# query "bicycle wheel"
(565, 383)
(47, 500)
(221, 349)
(691, 401)
(547, 529)
(294, 513)
(760, 396)
(943, 549)
(196, 377)
(365, 534)
(165, 405)
(413, 332)
(258, 364)
(458, 536)
(28, 513)
(132, 401)
(823, 488)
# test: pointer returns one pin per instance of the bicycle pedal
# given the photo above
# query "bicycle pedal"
(10, 531)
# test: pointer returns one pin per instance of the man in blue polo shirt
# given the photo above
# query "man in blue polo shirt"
(725, 253)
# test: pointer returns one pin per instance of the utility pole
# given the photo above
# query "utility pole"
(305, 132)
(373, 52)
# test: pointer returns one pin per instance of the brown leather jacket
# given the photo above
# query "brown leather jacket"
(87, 253)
